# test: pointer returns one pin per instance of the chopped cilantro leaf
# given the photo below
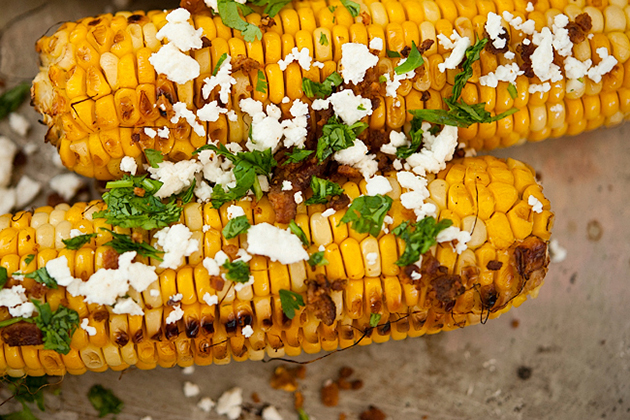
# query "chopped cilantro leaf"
(472, 55)
(297, 231)
(29, 258)
(27, 389)
(238, 271)
(123, 243)
(261, 83)
(414, 60)
(4, 276)
(290, 302)
(337, 136)
(154, 157)
(392, 54)
(323, 39)
(374, 320)
(512, 91)
(229, 12)
(78, 241)
(13, 98)
(367, 213)
(235, 227)
(15, 320)
(272, 6)
(332, 9)
(460, 114)
(297, 155)
(352, 7)
(322, 189)
(251, 33)
(41, 276)
(317, 259)
(104, 401)
(382, 79)
(56, 327)
(361, 107)
(218, 65)
(415, 133)
(420, 239)
(127, 209)
(324, 89)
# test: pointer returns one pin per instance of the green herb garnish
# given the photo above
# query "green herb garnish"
(56, 327)
(337, 136)
(317, 259)
(352, 7)
(512, 91)
(297, 231)
(154, 157)
(324, 89)
(218, 65)
(418, 237)
(290, 302)
(272, 6)
(4, 276)
(323, 39)
(374, 320)
(297, 155)
(261, 83)
(392, 54)
(322, 189)
(13, 98)
(235, 227)
(237, 271)
(104, 401)
(229, 12)
(27, 389)
(127, 209)
(29, 258)
(41, 276)
(415, 133)
(78, 241)
(472, 55)
(123, 243)
(367, 213)
(414, 60)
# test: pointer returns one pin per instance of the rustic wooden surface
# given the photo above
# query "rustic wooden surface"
(575, 337)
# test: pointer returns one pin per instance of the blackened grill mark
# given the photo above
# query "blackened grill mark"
(171, 331)
(138, 336)
(385, 328)
(134, 18)
(208, 327)
(230, 325)
(267, 323)
(244, 320)
(192, 328)
(121, 338)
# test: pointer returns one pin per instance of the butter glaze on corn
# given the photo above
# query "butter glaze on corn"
(483, 195)
(97, 89)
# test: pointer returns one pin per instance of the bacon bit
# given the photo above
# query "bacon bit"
(100, 315)
(37, 290)
(110, 259)
(340, 202)
(194, 6)
(425, 46)
(515, 323)
(584, 21)
(266, 23)
(531, 256)
(205, 42)
(255, 398)
(490, 46)
(526, 52)
(121, 338)
(447, 287)
(348, 171)
(330, 394)
(425, 96)
(285, 378)
(22, 334)
(372, 413)
(318, 300)
(244, 63)
(344, 384)
(231, 251)
(217, 282)
(365, 18)
(494, 265)
(580, 28)
(345, 372)
(405, 51)
(357, 384)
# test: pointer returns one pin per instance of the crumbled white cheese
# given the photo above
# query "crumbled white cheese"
(216, 169)
(127, 306)
(206, 404)
(397, 164)
(303, 57)
(528, 27)
(357, 156)
(297, 197)
(266, 127)
(321, 248)
(229, 403)
(176, 297)
(211, 265)
(294, 129)
(378, 185)
(15, 299)
(543, 87)
(494, 29)
(242, 255)
(223, 79)
(30, 149)
(286, 100)
(191, 389)
(460, 44)
(542, 57)
(415, 275)
(557, 253)
(356, 59)
(247, 331)
(376, 43)
(270, 412)
(176, 177)
(371, 258)
(221, 258)
(164, 132)
(453, 233)
(529, 7)
(75, 232)
(177, 243)
(181, 111)
(212, 4)
(176, 314)
(58, 269)
(509, 55)
(66, 185)
(287, 186)
(188, 370)
(392, 85)
(348, 106)
(436, 151)
(129, 164)
(263, 181)
(19, 124)
(180, 32)
(177, 66)
(595, 73)
(235, 211)
(396, 139)
(210, 112)
(557, 108)
(503, 73)
(537, 206)
(576, 69)
(85, 325)
(328, 212)
(318, 64)
(150, 132)
(275, 243)
(28, 189)
(561, 42)
(210, 299)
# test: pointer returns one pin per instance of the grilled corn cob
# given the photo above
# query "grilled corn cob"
(97, 89)
(367, 296)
